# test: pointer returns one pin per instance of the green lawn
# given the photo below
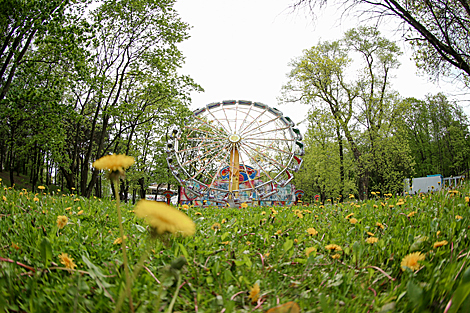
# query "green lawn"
(257, 245)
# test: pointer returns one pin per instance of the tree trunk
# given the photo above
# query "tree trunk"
(341, 162)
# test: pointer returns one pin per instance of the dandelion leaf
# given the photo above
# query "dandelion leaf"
(415, 293)
(461, 296)
(96, 274)
(46, 251)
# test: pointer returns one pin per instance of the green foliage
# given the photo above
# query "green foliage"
(437, 132)
(92, 84)
(251, 247)
(362, 112)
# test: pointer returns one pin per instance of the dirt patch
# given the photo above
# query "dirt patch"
(20, 181)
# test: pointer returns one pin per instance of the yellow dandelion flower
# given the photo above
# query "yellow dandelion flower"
(263, 213)
(296, 240)
(333, 247)
(225, 242)
(224, 221)
(4, 198)
(185, 207)
(336, 256)
(244, 205)
(375, 206)
(349, 215)
(198, 213)
(458, 217)
(467, 199)
(62, 221)
(15, 246)
(390, 206)
(114, 162)
(67, 261)
(165, 218)
(382, 204)
(440, 243)
(279, 232)
(68, 209)
(254, 293)
(438, 233)
(370, 234)
(380, 225)
(411, 261)
(373, 193)
(299, 215)
(353, 221)
(41, 187)
(216, 227)
(310, 250)
(372, 240)
(118, 240)
(411, 214)
(80, 212)
(312, 231)
(351, 196)
(35, 199)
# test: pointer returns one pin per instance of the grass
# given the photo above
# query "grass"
(256, 245)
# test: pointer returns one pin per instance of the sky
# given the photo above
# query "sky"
(241, 49)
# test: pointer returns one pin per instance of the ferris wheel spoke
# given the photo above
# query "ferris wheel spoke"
(204, 138)
(254, 160)
(211, 126)
(217, 120)
(236, 118)
(226, 117)
(266, 156)
(204, 167)
(269, 131)
(201, 130)
(271, 148)
(254, 120)
(199, 157)
(246, 171)
(244, 120)
(261, 125)
(196, 147)
(270, 139)
(220, 167)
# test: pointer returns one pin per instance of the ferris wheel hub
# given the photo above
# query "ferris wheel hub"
(234, 138)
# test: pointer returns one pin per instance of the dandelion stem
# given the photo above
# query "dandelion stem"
(172, 303)
(124, 252)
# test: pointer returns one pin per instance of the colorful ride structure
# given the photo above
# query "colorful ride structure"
(234, 152)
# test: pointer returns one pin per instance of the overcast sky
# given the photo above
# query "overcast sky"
(240, 50)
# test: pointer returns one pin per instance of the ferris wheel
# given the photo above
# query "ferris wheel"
(235, 151)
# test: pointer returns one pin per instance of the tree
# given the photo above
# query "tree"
(322, 77)
(131, 79)
(21, 22)
(33, 107)
(323, 166)
(437, 29)
(93, 84)
(437, 132)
